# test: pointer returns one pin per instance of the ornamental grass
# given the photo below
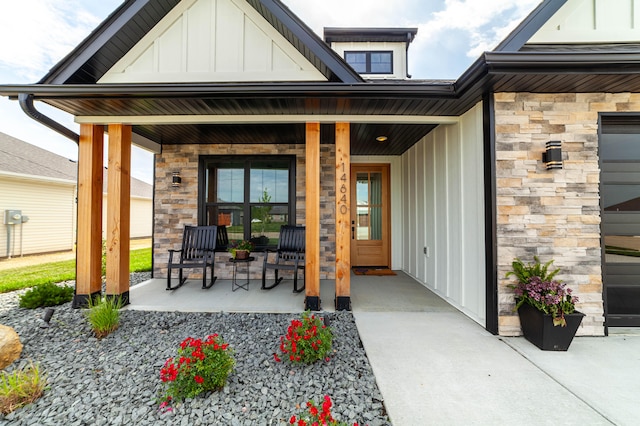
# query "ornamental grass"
(20, 387)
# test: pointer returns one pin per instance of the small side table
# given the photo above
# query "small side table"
(234, 282)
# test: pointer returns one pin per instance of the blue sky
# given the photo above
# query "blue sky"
(451, 35)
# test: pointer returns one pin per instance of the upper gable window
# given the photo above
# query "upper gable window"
(374, 62)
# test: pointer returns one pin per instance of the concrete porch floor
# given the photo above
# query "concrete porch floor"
(435, 366)
(399, 293)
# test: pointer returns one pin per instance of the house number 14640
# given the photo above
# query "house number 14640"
(342, 200)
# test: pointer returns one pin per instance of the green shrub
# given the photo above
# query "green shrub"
(20, 387)
(524, 272)
(46, 295)
(104, 315)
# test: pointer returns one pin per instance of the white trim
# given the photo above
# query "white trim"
(198, 77)
(263, 119)
(23, 176)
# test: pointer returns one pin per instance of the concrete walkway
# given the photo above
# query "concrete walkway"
(435, 366)
(444, 369)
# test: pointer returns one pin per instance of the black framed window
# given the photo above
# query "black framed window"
(370, 62)
(251, 196)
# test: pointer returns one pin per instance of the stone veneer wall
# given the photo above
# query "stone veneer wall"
(554, 214)
(176, 207)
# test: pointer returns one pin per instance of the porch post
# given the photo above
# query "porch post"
(118, 211)
(312, 207)
(343, 216)
(89, 213)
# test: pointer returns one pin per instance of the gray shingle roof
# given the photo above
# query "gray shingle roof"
(17, 156)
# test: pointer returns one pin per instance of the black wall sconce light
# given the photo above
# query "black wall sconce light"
(552, 157)
(176, 179)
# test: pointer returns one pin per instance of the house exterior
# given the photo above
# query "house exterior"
(443, 180)
(41, 187)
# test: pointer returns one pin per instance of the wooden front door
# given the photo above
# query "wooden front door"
(370, 221)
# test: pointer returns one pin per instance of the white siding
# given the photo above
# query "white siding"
(141, 219)
(50, 207)
(592, 21)
(443, 187)
(212, 41)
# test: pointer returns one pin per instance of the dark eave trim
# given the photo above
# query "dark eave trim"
(529, 26)
(341, 34)
(325, 54)
(562, 62)
(491, 64)
(321, 90)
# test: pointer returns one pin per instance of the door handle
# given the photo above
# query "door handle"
(353, 233)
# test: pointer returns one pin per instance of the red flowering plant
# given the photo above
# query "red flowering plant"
(537, 288)
(307, 340)
(200, 366)
(316, 416)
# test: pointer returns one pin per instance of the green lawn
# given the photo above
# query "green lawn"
(28, 276)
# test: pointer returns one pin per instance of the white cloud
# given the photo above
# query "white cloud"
(483, 21)
(38, 33)
(347, 13)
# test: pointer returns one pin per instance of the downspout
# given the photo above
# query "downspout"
(26, 103)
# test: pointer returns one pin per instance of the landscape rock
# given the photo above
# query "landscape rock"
(10, 346)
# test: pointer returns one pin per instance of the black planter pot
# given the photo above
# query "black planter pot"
(538, 328)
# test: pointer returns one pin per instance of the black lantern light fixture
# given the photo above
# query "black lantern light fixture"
(552, 156)
(176, 179)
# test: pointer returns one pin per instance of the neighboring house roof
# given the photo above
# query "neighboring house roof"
(22, 158)
(270, 112)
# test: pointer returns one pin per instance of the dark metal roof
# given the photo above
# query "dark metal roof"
(402, 35)
(510, 68)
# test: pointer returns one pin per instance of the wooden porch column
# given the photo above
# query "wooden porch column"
(89, 234)
(343, 217)
(312, 207)
(118, 211)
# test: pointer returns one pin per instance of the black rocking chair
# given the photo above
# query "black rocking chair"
(198, 252)
(289, 256)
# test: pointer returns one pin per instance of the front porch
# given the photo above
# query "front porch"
(399, 293)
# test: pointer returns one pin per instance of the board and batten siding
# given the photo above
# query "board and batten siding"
(592, 21)
(443, 214)
(212, 41)
(50, 206)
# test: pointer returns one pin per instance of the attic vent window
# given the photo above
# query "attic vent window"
(374, 62)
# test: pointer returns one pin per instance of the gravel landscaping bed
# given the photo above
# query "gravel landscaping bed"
(115, 381)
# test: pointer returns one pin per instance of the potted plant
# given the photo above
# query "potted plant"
(546, 307)
(240, 249)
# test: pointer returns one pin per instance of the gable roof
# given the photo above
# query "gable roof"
(129, 23)
(22, 158)
(267, 112)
